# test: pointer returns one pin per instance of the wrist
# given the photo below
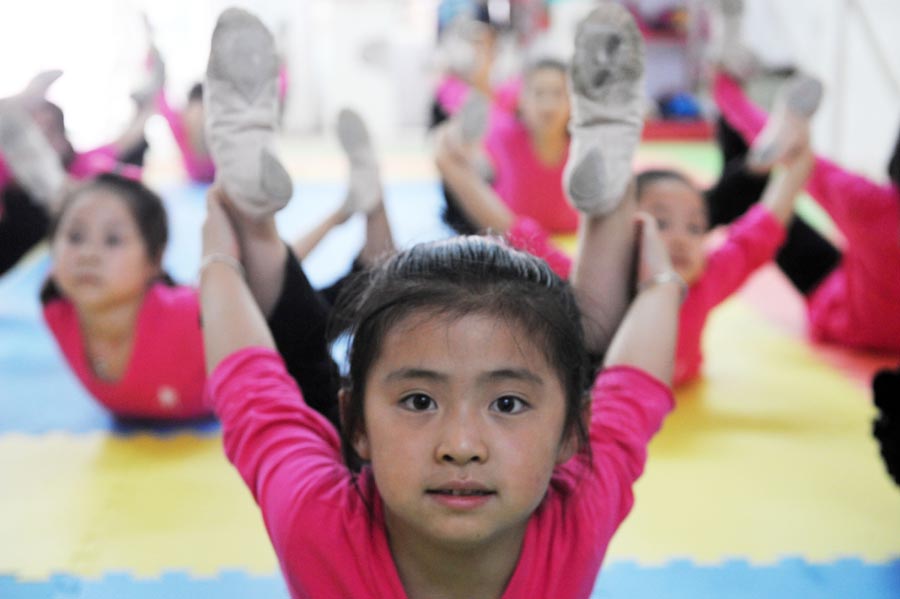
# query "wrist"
(222, 259)
(665, 278)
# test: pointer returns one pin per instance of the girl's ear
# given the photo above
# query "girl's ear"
(359, 439)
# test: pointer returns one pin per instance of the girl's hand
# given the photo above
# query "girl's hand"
(218, 232)
(449, 145)
(653, 257)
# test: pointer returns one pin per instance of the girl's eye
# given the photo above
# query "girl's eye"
(418, 402)
(113, 240)
(696, 230)
(662, 224)
(74, 237)
(509, 404)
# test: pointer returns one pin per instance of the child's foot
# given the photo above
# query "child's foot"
(364, 194)
(607, 100)
(241, 101)
(34, 163)
(726, 48)
(36, 89)
(796, 103)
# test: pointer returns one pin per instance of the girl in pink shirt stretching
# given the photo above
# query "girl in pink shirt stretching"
(853, 300)
(483, 457)
(130, 335)
(525, 150)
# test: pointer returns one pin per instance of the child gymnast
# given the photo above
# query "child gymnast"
(852, 300)
(526, 152)
(477, 464)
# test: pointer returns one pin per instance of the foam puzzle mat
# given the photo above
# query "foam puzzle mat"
(764, 482)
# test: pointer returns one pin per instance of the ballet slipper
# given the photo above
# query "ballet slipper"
(31, 159)
(607, 89)
(242, 108)
(364, 194)
(797, 101)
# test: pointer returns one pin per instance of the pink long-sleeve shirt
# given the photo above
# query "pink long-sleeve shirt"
(166, 374)
(857, 304)
(528, 186)
(330, 544)
(104, 159)
(199, 167)
(752, 241)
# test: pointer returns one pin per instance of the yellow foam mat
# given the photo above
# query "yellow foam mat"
(90, 504)
(770, 455)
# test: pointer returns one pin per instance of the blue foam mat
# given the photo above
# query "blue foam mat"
(790, 578)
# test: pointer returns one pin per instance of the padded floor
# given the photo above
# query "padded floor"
(765, 481)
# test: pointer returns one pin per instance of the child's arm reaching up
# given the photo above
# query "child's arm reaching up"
(231, 318)
(646, 338)
(786, 182)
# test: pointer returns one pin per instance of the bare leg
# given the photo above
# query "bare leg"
(379, 239)
(604, 269)
(607, 94)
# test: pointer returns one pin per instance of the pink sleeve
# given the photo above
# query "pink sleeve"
(168, 113)
(527, 235)
(451, 94)
(752, 241)
(280, 446)
(851, 200)
(628, 407)
(104, 159)
(744, 116)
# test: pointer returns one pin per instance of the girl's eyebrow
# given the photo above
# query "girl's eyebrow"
(416, 373)
(519, 374)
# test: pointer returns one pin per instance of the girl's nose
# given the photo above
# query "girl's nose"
(461, 441)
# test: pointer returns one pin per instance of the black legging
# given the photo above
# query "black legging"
(299, 324)
(452, 214)
(23, 224)
(806, 257)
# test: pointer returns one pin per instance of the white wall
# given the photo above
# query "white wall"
(854, 47)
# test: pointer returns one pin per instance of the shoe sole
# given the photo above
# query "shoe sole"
(242, 53)
(608, 49)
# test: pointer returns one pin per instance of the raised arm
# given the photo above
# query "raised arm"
(231, 317)
(646, 338)
(478, 200)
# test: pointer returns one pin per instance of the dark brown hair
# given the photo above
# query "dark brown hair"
(454, 278)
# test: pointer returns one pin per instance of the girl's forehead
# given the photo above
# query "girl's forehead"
(671, 192)
(100, 206)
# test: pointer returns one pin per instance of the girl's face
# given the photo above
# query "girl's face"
(544, 104)
(463, 427)
(99, 256)
(680, 212)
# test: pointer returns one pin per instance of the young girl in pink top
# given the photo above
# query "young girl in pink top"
(855, 301)
(526, 151)
(129, 334)
(482, 456)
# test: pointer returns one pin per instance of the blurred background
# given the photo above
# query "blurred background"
(378, 57)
